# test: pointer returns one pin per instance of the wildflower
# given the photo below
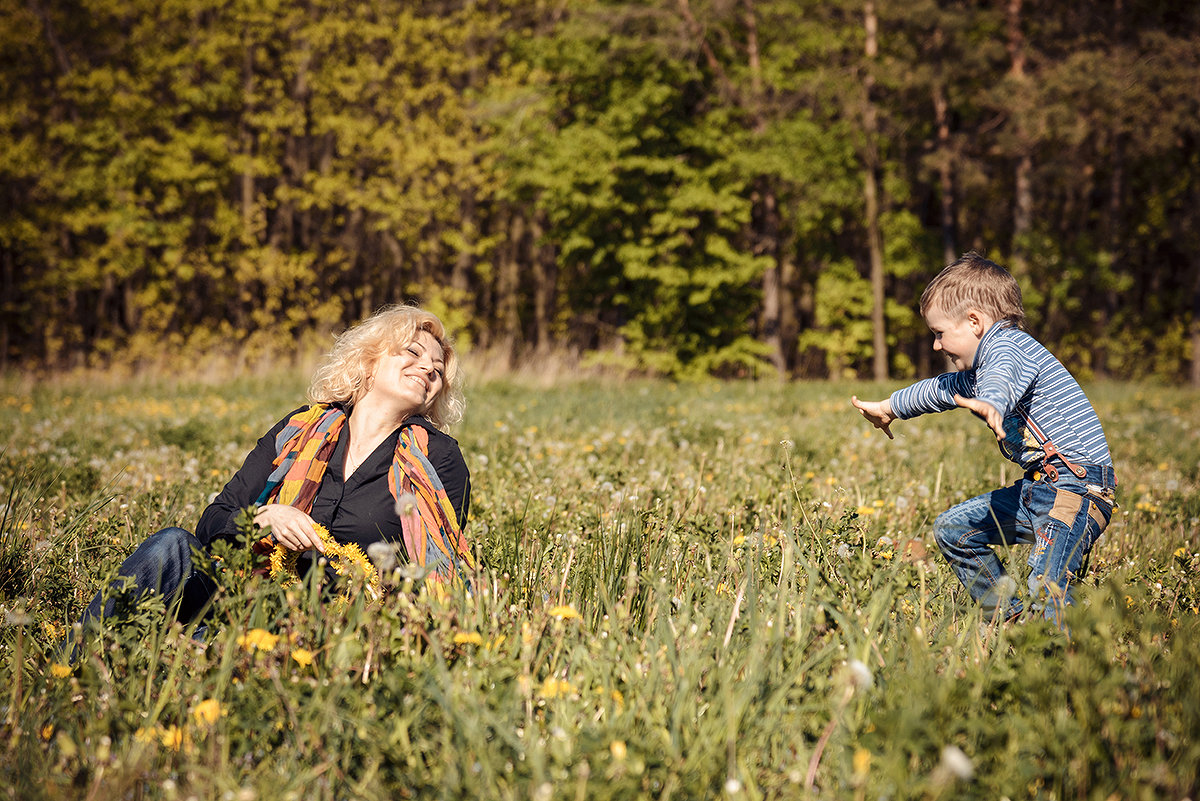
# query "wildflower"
(208, 712)
(171, 737)
(303, 657)
(496, 643)
(860, 675)
(565, 612)
(733, 786)
(47, 730)
(259, 639)
(862, 761)
(406, 504)
(617, 749)
(739, 540)
(956, 763)
(384, 555)
(472, 637)
(552, 687)
(60, 671)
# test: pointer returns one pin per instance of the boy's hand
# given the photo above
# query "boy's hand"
(878, 413)
(985, 411)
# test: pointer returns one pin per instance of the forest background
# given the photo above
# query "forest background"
(677, 187)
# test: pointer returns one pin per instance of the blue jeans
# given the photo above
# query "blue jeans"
(163, 564)
(1061, 519)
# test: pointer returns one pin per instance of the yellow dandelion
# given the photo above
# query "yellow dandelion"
(60, 671)
(565, 612)
(739, 540)
(464, 637)
(172, 737)
(258, 639)
(862, 761)
(617, 749)
(47, 730)
(553, 688)
(303, 657)
(496, 643)
(866, 510)
(347, 560)
(208, 712)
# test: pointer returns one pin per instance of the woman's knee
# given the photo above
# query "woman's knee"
(165, 553)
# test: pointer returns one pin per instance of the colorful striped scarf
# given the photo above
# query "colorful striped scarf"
(432, 536)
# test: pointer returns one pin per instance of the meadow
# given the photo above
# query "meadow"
(712, 590)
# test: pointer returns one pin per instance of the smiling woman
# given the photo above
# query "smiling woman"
(374, 433)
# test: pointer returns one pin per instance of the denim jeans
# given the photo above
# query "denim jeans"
(1061, 519)
(163, 564)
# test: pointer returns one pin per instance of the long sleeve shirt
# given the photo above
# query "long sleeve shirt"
(360, 510)
(1018, 377)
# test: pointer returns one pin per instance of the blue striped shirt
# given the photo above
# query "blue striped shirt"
(1015, 374)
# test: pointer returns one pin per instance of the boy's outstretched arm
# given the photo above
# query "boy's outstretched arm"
(985, 411)
(878, 413)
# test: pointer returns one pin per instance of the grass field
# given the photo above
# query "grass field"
(723, 590)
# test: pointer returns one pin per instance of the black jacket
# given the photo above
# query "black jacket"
(361, 510)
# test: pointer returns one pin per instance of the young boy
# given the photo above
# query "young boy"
(1042, 421)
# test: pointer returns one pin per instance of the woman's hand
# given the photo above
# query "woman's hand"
(290, 527)
(878, 413)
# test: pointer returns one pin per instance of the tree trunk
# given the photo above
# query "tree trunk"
(246, 139)
(941, 110)
(507, 284)
(1194, 326)
(545, 285)
(1022, 174)
(871, 197)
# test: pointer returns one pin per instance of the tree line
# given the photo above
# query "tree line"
(682, 187)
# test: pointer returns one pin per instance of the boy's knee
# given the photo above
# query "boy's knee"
(943, 528)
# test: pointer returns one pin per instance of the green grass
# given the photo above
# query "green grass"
(752, 619)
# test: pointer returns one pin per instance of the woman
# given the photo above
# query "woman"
(372, 435)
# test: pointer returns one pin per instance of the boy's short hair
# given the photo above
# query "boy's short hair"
(973, 282)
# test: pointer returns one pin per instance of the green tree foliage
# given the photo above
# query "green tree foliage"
(674, 186)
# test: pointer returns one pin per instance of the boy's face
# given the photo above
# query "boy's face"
(958, 338)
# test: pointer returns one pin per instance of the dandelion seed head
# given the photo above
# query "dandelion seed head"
(956, 763)
(860, 675)
(406, 504)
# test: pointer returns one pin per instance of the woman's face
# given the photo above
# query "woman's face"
(413, 377)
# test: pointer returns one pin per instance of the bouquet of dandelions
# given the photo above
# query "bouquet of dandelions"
(347, 560)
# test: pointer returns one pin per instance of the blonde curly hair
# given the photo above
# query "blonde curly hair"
(343, 376)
